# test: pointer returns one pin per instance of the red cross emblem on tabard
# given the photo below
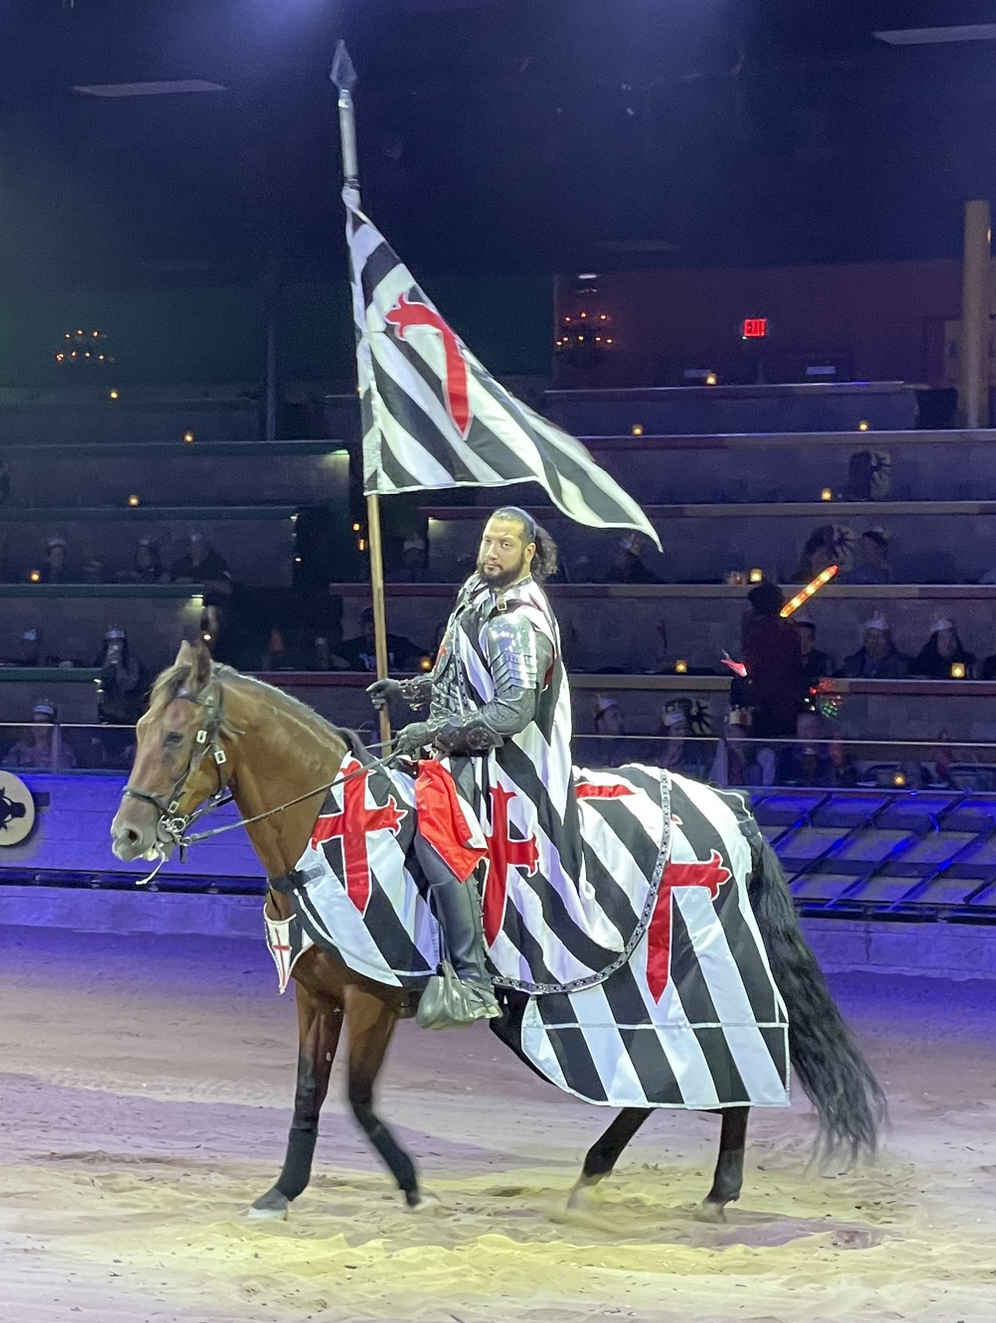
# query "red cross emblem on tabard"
(404, 317)
(354, 824)
(710, 874)
(504, 854)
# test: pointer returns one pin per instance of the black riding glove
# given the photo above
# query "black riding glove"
(414, 738)
(382, 691)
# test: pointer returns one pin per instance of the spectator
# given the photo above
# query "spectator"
(873, 560)
(773, 657)
(628, 566)
(815, 664)
(941, 651)
(29, 649)
(41, 748)
(615, 750)
(989, 667)
(676, 750)
(359, 653)
(121, 692)
(878, 658)
(54, 570)
(609, 717)
(147, 566)
(203, 565)
(819, 551)
(414, 561)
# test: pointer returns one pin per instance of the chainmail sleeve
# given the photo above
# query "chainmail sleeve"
(519, 657)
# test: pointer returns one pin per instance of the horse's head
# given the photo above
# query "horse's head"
(180, 759)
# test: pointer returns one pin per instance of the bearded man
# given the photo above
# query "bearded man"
(499, 736)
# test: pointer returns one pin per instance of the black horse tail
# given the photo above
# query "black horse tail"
(837, 1079)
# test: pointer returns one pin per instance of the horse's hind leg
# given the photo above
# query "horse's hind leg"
(728, 1179)
(319, 1025)
(371, 1024)
(604, 1153)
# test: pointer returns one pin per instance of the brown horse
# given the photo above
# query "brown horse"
(208, 728)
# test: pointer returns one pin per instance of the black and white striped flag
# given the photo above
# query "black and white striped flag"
(434, 417)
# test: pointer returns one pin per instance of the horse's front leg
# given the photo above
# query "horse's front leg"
(319, 1023)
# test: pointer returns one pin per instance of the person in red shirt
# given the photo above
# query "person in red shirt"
(771, 653)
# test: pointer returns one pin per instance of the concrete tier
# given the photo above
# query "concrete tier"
(172, 472)
(87, 413)
(930, 541)
(819, 407)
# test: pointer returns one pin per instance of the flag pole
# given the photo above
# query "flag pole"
(344, 77)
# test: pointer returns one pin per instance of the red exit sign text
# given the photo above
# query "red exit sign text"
(754, 328)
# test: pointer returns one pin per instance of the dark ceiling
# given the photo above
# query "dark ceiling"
(495, 134)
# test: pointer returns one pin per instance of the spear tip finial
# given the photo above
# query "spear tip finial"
(343, 74)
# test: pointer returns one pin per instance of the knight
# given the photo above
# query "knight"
(497, 735)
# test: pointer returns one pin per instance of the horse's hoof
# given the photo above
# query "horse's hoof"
(269, 1207)
(424, 1203)
(707, 1211)
(582, 1195)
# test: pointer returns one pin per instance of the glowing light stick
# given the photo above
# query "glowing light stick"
(822, 578)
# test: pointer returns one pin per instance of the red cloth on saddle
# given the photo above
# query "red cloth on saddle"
(442, 821)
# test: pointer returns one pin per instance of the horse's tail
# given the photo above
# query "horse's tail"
(837, 1079)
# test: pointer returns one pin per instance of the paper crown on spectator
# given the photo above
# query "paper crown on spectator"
(675, 710)
(938, 625)
(56, 542)
(43, 708)
(877, 622)
(631, 543)
(115, 632)
(30, 635)
(145, 542)
(197, 537)
(602, 704)
(414, 544)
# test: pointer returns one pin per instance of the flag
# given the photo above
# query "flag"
(434, 417)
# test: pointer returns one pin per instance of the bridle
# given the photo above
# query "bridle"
(171, 826)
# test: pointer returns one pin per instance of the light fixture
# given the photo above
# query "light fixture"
(711, 378)
(133, 500)
(681, 667)
(637, 429)
(34, 576)
(957, 670)
(756, 576)
(899, 780)
(188, 437)
(863, 425)
(826, 494)
(112, 395)
(356, 528)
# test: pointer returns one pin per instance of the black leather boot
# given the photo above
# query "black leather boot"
(463, 992)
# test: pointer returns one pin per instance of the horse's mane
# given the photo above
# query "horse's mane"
(171, 682)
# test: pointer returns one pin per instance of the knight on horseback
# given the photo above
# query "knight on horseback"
(488, 692)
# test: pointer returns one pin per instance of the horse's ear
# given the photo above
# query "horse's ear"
(185, 657)
(200, 666)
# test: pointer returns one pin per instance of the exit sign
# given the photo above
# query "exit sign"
(754, 328)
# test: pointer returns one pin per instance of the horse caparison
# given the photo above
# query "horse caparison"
(276, 749)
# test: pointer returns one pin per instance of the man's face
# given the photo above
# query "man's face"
(504, 556)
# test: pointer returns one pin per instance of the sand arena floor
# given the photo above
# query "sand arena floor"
(145, 1088)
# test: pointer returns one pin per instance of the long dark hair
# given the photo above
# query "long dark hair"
(546, 559)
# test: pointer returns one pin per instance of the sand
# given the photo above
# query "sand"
(145, 1088)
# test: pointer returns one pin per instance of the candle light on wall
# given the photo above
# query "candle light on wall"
(826, 494)
(637, 429)
(112, 395)
(34, 576)
(188, 438)
(756, 575)
(681, 667)
(133, 500)
(957, 670)
(863, 425)
(899, 780)
(711, 379)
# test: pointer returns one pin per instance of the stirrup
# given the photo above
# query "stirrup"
(449, 1003)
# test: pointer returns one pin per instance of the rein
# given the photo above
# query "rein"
(172, 827)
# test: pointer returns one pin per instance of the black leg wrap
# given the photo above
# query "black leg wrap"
(296, 1174)
(389, 1150)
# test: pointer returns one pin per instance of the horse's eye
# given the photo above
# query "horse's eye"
(172, 739)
